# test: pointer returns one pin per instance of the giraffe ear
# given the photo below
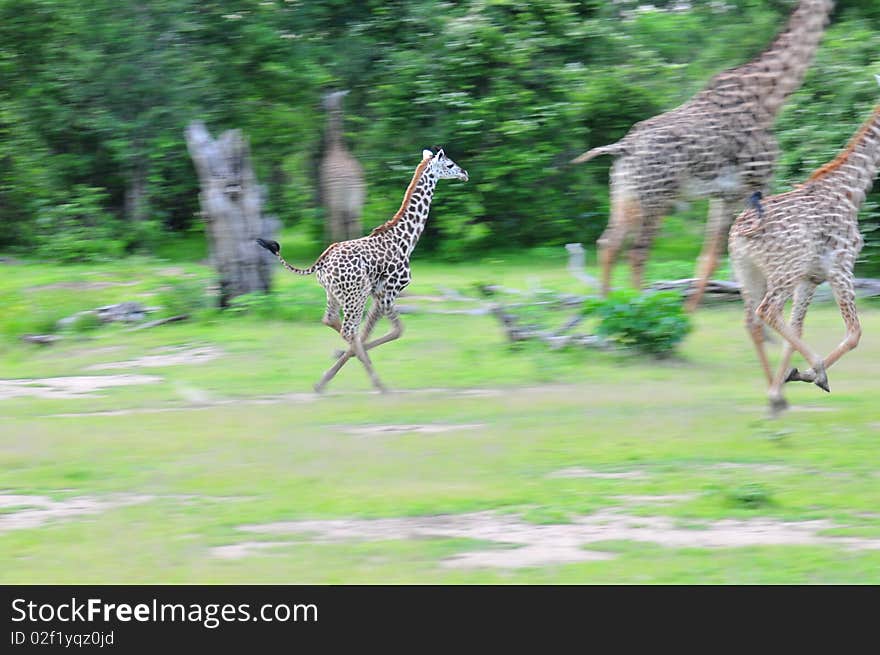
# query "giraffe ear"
(427, 154)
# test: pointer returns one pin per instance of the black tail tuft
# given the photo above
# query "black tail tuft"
(271, 246)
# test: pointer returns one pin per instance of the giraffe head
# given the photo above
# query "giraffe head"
(443, 166)
(333, 101)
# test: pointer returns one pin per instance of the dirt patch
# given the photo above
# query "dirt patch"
(634, 499)
(580, 472)
(430, 428)
(34, 511)
(204, 403)
(751, 467)
(179, 356)
(82, 286)
(542, 545)
(82, 386)
(763, 409)
(245, 548)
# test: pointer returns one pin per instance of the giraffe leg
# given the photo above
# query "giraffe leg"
(754, 286)
(625, 214)
(331, 225)
(331, 314)
(353, 312)
(770, 311)
(352, 224)
(365, 360)
(395, 333)
(648, 228)
(396, 328)
(803, 295)
(373, 317)
(721, 214)
(844, 293)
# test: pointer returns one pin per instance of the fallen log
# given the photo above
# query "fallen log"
(160, 321)
(553, 338)
(729, 290)
(41, 339)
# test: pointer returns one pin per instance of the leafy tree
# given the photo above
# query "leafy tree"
(94, 99)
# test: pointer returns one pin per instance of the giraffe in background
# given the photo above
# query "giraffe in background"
(342, 178)
(376, 265)
(798, 240)
(718, 144)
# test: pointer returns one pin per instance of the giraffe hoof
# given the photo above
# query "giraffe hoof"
(778, 405)
(319, 388)
(819, 378)
(806, 376)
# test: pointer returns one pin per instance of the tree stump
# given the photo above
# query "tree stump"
(231, 202)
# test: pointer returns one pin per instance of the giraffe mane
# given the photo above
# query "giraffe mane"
(406, 198)
(840, 160)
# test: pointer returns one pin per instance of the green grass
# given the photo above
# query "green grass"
(217, 445)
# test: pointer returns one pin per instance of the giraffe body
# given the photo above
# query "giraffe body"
(342, 179)
(798, 240)
(375, 266)
(718, 144)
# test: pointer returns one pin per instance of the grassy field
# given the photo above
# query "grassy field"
(487, 464)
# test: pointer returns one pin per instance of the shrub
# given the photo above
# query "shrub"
(750, 496)
(183, 296)
(79, 230)
(85, 322)
(654, 323)
(294, 303)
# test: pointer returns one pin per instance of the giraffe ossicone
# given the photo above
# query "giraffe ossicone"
(375, 266)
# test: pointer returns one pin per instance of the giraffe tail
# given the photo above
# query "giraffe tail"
(275, 248)
(610, 149)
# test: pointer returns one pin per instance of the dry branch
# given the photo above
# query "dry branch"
(160, 321)
(41, 339)
(724, 290)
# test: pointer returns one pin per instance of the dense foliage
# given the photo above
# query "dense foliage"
(653, 323)
(94, 98)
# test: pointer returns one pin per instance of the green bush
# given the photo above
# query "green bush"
(85, 322)
(80, 229)
(294, 303)
(183, 296)
(750, 496)
(654, 323)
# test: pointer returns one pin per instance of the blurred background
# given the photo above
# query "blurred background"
(95, 100)
(170, 454)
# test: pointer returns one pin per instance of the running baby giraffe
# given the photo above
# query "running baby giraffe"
(376, 265)
(785, 245)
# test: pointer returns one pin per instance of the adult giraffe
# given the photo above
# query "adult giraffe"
(718, 144)
(342, 178)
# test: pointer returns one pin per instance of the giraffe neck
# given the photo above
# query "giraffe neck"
(334, 129)
(854, 169)
(407, 225)
(778, 72)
